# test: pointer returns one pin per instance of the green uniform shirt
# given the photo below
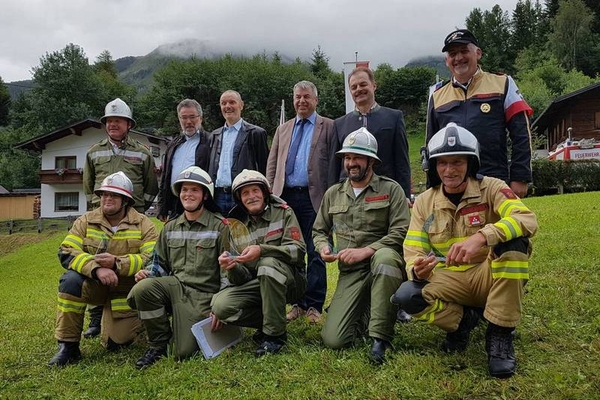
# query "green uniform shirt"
(377, 218)
(135, 160)
(189, 250)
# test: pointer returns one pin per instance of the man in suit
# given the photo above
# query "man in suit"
(386, 124)
(300, 168)
(186, 150)
(238, 145)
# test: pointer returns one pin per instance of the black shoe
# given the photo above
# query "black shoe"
(402, 316)
(68, 353)
(378, 350)
(258, 336)
(271, 345)
(113, 346)
(501, 353)
(152, 355)
(457, 341)
(95, 323)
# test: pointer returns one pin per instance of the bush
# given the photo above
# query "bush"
(565, 176)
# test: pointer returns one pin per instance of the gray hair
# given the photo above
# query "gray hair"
(235, 93)
(190, 103)
(307, 85)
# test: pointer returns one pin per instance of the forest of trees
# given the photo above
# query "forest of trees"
(551, 48)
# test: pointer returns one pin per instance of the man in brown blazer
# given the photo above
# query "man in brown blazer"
(301, 166)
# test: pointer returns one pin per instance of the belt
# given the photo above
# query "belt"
(296, 188)
(223, 189)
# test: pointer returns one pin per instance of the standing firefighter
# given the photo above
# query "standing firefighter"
(118, 152)
(467, 251)
(103, 251)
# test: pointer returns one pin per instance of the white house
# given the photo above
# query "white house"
(63, 158)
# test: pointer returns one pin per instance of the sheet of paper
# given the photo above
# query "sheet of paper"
(214, 343)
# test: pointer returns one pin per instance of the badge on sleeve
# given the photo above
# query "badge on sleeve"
(508, 193)
(295, 233)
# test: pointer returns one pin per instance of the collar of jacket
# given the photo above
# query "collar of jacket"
(131, 218)
(203, 219)
(374, 184)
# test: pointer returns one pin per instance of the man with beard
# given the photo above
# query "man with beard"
(368, 216)
(267, 274)
(188, 149)
(103, 250)
(184, 274)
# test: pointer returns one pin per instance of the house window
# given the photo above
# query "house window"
(68, 162)
(66, 201)
(155, 151)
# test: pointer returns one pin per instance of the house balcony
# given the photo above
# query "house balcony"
(61, 175)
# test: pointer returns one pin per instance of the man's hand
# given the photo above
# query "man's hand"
(215, 323)
(354, 256)
(107, 277)
(226, 261)
(141, 274)
(105, 260)
(463, 252)
(162, 218)
(520, 188)
(326, 255)
(250, 253)
(423, 266)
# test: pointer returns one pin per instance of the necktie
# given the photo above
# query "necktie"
(293, 152)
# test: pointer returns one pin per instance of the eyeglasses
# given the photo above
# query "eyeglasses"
(188, 117)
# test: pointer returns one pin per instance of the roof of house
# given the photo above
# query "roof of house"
(545, 118)
(39, 143)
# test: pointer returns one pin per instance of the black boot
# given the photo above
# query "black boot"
(501, 353)
(68, 353)
(152, 355)
(378, 350)
(95, 322)
(271, 345)
(458, 340)
(403, 316)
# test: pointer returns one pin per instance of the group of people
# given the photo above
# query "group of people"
(460, 257)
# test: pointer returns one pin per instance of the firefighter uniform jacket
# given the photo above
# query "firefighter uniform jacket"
(377, 218)
(91, 234)
(278, 234)
(134, 159)
(189, 250)
(489, 106)
(132, 242)
(488, 206)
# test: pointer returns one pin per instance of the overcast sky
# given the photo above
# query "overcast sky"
(392, 31)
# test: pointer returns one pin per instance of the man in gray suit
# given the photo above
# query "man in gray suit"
(301, 166)
(238, 145)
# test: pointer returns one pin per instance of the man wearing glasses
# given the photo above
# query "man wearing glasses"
(187, 150)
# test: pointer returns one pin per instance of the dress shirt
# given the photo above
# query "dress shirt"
(230, 135)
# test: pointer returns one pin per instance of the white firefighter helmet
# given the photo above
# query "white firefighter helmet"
(250, 177)
(195, 175)
(452, 140)
(118, 108)
(117, 183)
(362, 142)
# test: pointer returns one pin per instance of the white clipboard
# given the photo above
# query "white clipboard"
(214, 343)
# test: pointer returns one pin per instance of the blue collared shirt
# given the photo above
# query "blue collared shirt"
(300, 175)
(184, 155)
(230, 135)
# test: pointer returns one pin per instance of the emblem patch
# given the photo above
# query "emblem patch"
(474, 220)
(295, 233)
(485, 108)
(508, 193)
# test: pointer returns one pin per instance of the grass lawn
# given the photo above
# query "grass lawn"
(557, 346)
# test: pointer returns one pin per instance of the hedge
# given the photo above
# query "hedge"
(565, 176)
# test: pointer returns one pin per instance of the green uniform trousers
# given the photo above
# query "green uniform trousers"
(156, 299)
(364, 295)
(260, 303)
